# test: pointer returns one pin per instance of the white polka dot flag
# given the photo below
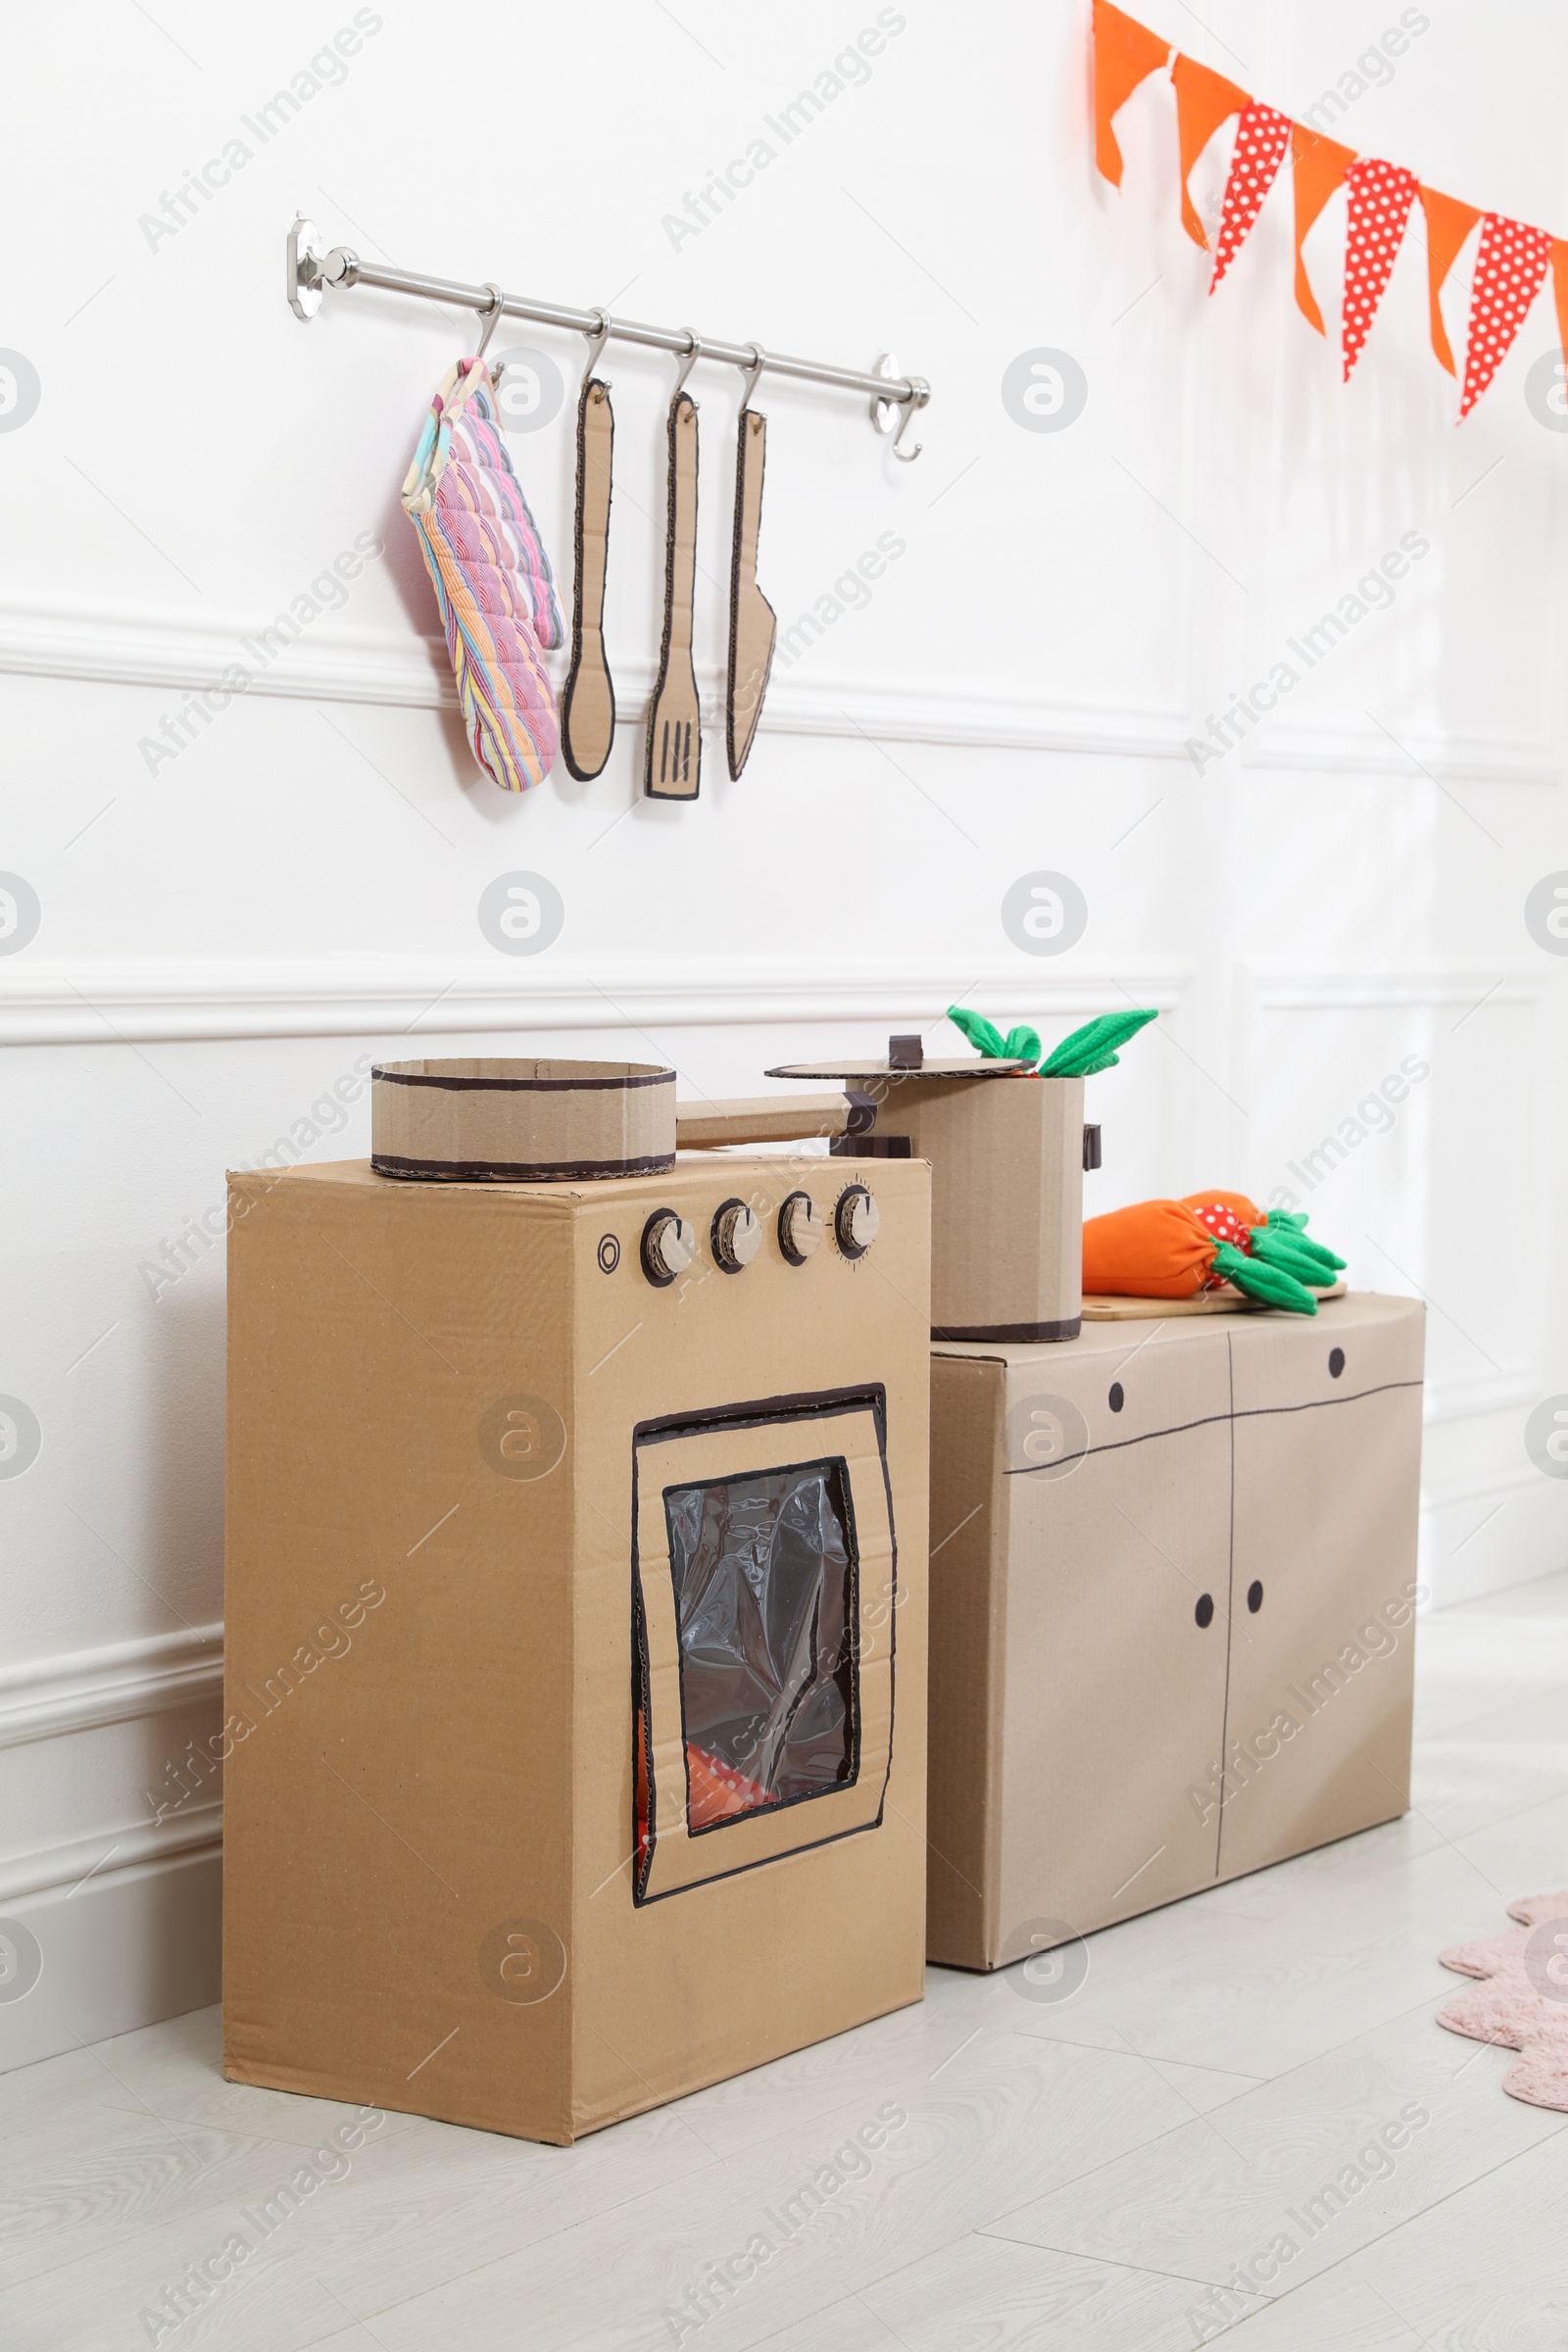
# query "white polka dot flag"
(1262, 142)
(1380, 197)
(1512, 259)
(1509, 268)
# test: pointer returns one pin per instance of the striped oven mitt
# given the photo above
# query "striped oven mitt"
(492, 580)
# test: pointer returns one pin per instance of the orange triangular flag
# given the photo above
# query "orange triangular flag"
(1559, 287)
(1126, 53)
(1320, 165)
(1448, 224)
(1204, 100)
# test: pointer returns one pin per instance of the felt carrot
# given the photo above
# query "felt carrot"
(1164, 1249)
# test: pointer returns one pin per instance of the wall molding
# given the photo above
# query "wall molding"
(1484, 1392)
(1511, 1479)
(134, 1845)
(1354, 750)
(1326, 987)
(182, 654)
(99, 1003)
(79, 1690)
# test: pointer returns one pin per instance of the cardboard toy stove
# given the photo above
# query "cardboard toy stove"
(577, 1494)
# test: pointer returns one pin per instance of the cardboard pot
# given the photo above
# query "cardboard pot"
(521, 1122)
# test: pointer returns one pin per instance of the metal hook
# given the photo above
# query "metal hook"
(920, 394)
(492, 317)
(694, 352)
(598, 336)
(759, 363)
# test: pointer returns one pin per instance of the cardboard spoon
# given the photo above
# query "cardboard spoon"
(588, 705)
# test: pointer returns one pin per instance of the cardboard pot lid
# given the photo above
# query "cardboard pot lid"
(507, 1121)
(858, 1071)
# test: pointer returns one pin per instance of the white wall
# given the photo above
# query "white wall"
(223, 939)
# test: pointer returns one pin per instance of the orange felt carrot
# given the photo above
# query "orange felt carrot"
(1155, 1249)
(1164, 1249)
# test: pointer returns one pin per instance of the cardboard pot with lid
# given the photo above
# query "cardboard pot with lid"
(1007, 1151)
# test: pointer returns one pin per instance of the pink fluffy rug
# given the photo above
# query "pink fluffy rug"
(1523, 2001)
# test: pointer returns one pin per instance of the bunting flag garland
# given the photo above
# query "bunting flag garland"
(1262, 142)
(1380, 197)
(1512, 258)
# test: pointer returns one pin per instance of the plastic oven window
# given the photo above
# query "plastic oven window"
(763, 1569)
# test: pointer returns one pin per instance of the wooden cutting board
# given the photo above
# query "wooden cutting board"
(1224, 1302)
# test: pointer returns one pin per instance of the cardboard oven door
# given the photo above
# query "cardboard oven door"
(764, 1585)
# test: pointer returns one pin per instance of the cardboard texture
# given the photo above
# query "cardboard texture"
(1006, 1190)
(588, 705)
(457, 1418)
(752, 621)
(1173, 1569)
(521, 1121)
(673, 768)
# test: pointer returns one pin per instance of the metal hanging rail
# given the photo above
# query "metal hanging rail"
(895, 400)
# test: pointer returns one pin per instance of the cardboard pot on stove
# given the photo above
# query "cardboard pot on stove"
(1007, 1151)
(516, 1121)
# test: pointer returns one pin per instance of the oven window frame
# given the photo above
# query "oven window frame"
(786, 1415)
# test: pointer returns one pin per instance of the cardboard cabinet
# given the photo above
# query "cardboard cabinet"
(1172, 1589)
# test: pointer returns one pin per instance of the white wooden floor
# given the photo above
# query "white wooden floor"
(1077, 2174)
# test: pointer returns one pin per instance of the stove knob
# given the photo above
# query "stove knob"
(800, 1228)
(737, 1237)
(857, 1221)
(669, 1244)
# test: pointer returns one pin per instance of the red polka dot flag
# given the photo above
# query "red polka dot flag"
(1509, 268)
(1380, 197)
(1262, 140)
(1511, 262)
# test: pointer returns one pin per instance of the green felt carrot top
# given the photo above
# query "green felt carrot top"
(1019, 1044)
(1088, 1050)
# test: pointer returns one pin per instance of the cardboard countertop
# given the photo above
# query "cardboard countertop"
(359, 1174)
(1355, 1308)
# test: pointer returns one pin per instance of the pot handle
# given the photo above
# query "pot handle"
(773, 1119)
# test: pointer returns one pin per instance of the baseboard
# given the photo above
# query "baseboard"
(125, 1950)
